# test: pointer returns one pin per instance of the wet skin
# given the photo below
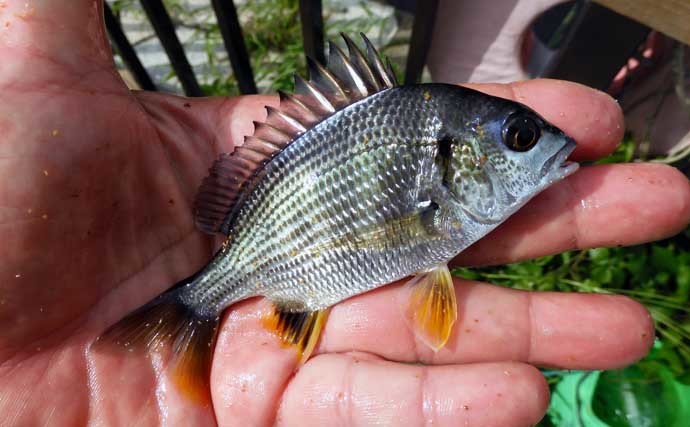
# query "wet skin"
(95, 219)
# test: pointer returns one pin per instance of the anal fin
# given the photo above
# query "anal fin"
(298, 329)
(432, 307)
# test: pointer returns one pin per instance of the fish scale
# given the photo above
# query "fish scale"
(320, 151)
(287, 286)
(351, 183)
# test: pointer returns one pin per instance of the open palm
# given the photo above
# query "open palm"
(95, 220)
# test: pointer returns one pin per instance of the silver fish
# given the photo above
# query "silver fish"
(352, 183)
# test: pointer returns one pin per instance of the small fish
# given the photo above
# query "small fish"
(353, 182)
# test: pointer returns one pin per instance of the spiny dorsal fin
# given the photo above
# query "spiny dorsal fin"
(353, 83)
(363, 68)
(346, 79)
(326, 85)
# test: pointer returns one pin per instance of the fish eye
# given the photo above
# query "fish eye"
(521, 133)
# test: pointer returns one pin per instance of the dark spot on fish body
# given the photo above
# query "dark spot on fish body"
(187, 105)
(444, 148)
(443, 158)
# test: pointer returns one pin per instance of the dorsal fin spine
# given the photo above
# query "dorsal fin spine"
(327, 84)
(391, 73)
(249, 154)
(359, 61)
(264, 147)
(375, 61)
(345, 72)
(297, 109)
(232, 177)
(281, 120)
(321, 104)
(232, 171)
(271, 134)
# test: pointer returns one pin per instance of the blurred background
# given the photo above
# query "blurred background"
(636, 51)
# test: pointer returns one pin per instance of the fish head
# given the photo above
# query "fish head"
(501, 157)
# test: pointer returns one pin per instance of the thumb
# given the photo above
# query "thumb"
(48, 40)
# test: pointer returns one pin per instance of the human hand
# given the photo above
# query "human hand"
(96, 185)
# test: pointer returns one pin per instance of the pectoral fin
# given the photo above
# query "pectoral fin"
(432, 308)
(300, 329)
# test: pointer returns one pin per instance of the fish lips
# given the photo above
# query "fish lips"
(563, 167)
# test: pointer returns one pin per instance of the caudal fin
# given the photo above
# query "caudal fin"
(167, 321)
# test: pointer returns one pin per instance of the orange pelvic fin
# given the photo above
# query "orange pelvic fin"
(432, 308)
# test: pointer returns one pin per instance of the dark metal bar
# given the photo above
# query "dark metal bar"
(234, 43)
(311, 16)
(165, 30)
(422, 29)
(597, 48)
(125, 49)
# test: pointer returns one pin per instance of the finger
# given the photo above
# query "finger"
(350, 390)
(591, 117)
(250, 367)
(608, 205)
(34, 36)
(574, 331)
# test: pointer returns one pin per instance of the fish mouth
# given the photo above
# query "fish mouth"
(565, 168)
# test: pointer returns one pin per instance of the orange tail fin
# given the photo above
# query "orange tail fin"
(168, 321)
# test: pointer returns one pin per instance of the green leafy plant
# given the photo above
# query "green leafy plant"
(655, 391)
(647, 394)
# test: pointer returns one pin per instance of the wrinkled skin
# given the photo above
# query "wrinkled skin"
(95, 191)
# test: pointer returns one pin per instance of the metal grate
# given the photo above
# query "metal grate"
(165, 30)
(124, 48)
(591, 54)
(311, 14)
